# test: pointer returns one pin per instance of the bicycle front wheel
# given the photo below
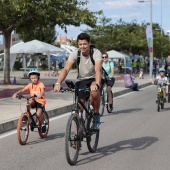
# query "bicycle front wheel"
(23, 129)
(72, 140)
(46, 123)
(92, 136)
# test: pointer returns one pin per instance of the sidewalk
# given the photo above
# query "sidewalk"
(57, 103)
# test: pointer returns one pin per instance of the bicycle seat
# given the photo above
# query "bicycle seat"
(70, 84)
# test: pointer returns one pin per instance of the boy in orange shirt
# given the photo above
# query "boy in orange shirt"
(36, 88)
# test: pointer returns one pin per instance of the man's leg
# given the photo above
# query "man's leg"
(95, 102)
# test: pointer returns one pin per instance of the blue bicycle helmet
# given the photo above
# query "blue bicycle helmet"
(33, 72)
(161, 70)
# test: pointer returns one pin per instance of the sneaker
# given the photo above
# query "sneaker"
(96, 121)
(43, 128)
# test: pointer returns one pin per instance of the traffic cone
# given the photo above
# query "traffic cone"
(14, 81)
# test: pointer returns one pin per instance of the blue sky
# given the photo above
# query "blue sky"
(128, 10)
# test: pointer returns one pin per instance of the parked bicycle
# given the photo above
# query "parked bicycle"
(27, 119)
(79, 126)
(160, 96)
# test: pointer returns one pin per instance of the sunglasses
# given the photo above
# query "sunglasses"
(104, 57)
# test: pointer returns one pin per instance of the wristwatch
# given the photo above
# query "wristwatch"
(57, 84)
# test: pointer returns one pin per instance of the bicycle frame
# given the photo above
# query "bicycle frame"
(77, 101)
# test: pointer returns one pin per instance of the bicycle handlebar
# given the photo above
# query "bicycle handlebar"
(24, 97)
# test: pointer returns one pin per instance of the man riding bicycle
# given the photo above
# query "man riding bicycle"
(109, 68)
(89, 73)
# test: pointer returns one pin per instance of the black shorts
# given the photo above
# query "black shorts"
(110, 82)
(81, 85)
(38, 105)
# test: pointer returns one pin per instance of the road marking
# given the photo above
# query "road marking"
(61, 116)
(15, 131)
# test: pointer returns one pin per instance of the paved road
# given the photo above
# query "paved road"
(134, 137)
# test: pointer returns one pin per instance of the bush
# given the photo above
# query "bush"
(17, 65)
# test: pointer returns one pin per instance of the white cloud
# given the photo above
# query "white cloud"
(126, 16)
(113, 5)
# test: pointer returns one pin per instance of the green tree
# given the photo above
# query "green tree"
(27, 15)
(45, 34)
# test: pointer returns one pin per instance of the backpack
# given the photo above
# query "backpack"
(91, 57)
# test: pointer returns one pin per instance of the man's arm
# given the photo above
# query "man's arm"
(98, 69)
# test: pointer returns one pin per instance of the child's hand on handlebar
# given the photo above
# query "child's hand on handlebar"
(14, 95)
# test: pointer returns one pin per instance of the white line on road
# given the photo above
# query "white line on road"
(61, 116)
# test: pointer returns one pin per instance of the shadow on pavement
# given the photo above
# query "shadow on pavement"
(48, 138)
(131, 144)
(124, 111)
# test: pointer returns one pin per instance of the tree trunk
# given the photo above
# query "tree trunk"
(7, 38)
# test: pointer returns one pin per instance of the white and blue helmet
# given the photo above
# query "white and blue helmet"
(161, 70)
(33, 72)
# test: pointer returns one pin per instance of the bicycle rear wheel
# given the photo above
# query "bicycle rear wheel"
(102, 104)
(72, 140)
(46, 123)
(23, 129)
(92, 136)
(109, 110)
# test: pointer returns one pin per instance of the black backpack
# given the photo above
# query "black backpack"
(91, 57)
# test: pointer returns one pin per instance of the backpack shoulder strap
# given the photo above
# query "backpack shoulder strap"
(78, 61)
(91, 53)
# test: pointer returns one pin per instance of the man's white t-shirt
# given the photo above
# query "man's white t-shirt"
(86, 67)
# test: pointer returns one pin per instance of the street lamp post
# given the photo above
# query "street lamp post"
(151, 53)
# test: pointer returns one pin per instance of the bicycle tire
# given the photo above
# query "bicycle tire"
(109, 110)
(162, 105)
(158, 104)
(168, 94)
(23, 129)
(46, 122)
(102, 105)
(71, 140)
(90, 132)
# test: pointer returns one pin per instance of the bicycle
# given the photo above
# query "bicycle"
(104, 101)
(79, 126)
(160, 96)
(168, 76)
(28, 119)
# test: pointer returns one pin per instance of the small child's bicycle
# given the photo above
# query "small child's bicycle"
(28, 119)
(160, 96)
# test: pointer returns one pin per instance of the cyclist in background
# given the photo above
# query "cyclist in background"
(109, 68)
(161, 79)
(36, 88)
(89, 73)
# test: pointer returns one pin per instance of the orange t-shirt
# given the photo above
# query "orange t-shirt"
(35, 89)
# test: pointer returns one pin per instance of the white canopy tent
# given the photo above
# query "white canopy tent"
(36, 46)
(116, 55)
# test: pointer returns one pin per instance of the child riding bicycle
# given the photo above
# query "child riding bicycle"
(36, 88)
(161, 79)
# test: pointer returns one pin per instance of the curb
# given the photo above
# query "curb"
(11, 125)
